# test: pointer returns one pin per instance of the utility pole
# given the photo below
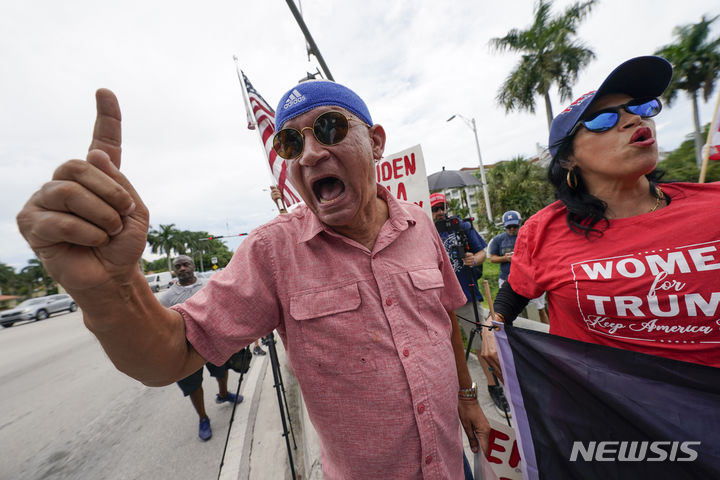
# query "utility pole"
(471, 124)
(309, 39)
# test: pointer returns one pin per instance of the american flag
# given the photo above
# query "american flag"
(262, 116)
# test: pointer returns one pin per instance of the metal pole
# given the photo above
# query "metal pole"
(313, 47)
(269, 340)
(482, 174)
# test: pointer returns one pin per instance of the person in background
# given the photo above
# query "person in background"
(356, 283)
(501, 251)
(623, 257)
(468, 265)
(186, 286)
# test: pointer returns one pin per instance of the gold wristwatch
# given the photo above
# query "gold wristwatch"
(468, 392)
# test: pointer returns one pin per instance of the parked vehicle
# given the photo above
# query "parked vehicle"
(160, 280)
(38, 308)
(206, 275)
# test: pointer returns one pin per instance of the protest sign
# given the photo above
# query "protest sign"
(403, 174)
(502, 461)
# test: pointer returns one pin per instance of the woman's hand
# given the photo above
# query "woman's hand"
(488, 350)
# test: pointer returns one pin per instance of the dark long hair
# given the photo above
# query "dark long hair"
(585, 212)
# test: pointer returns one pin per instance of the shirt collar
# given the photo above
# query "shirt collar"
(399, 217)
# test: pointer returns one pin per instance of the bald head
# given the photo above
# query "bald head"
(184, 268)
(183, 259)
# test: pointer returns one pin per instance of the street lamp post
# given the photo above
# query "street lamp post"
(471, 124)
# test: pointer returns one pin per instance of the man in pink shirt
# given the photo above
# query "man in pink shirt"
(357, 284)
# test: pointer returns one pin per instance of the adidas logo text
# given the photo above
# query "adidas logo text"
(294, 98)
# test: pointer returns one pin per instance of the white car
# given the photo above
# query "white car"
(158, 281)
(38, 309)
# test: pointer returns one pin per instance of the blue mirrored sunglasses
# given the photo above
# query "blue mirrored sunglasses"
(603, 120)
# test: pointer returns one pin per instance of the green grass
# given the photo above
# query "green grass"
(491, 272)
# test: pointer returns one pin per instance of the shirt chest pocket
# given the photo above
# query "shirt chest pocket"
(332, 332)
(428, 286)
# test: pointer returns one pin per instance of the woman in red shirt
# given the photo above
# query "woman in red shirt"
(625, 260)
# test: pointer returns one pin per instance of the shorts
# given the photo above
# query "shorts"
(194, 381)
(539, 302)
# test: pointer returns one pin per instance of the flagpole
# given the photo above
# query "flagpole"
(706, 148)
(251, 121)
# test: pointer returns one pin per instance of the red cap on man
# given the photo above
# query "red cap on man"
(436, 199)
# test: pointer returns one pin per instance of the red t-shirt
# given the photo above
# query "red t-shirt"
(651, 283)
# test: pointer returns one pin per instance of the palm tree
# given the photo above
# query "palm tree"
(519, 184)
(550, 55)
(193, 243)
(165, 240)
(696, 63)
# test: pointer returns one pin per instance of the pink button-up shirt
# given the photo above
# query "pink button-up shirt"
(367, 335)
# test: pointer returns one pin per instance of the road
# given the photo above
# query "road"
(66, 413)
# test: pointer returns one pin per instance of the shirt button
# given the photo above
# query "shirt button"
(388, 301)
(420, 408)
(406, 352)
(428, 459)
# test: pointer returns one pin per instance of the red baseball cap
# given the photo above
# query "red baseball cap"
(436, 199)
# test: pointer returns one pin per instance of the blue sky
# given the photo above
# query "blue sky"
(186, 145)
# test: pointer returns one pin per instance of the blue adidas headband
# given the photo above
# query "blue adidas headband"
(315, 93)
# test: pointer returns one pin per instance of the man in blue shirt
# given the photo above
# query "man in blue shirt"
(501, 250)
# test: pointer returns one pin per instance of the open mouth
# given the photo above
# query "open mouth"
(328, 189)
(641, 135)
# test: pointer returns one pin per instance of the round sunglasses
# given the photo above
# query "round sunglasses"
(603, 120)
(329, 128)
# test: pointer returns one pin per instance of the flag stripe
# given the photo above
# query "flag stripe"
(264, 117)
(605, 400)
(517, 406)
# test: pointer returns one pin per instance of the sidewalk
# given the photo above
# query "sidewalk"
(256, 448)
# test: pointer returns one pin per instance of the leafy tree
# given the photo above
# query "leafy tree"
(194, 244)
(517, 185)
(185, 242)
(8, 279)
(215, 248)
(550, 55)
(456, 207)
(696, 62)
(164, 241)
(680, 163)
(159, 265)
(34, 274)
(197, 246)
